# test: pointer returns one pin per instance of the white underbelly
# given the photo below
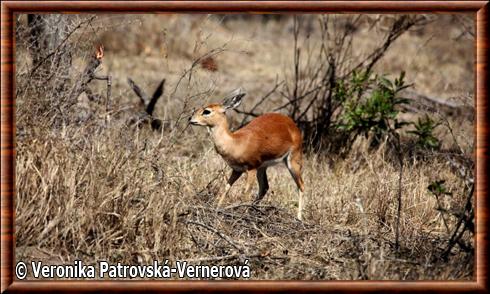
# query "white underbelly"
(236, 167)
(267, 163)
(275, 161)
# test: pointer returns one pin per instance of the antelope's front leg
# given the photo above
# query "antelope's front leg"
(235, 175)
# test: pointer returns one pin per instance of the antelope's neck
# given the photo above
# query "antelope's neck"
(223, 138)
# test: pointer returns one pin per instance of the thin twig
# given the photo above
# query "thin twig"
(222, 236)
(60, 44)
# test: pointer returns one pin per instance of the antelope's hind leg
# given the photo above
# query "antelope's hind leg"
(251, 176)
(294, 163)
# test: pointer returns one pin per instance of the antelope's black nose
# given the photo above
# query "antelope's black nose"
(192, 122)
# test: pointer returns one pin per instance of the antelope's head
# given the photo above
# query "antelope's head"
(214, 114)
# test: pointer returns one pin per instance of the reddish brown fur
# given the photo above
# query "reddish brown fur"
(266, 138)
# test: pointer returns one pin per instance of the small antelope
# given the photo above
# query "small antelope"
(147, 106)
(267, 140)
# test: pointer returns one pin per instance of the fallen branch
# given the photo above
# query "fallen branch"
(222, 236)
(234, 256)
(420, 102)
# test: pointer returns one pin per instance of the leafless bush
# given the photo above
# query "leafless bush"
(313, 94)
(50, 74)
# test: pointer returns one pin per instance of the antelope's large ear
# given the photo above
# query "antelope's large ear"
(234, 99)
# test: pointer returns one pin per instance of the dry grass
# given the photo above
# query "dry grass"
(104, 190)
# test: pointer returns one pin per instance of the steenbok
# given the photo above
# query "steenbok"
(147, 106)
(267, 140)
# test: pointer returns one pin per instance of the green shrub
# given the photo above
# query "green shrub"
(424, 128)
(375, 114)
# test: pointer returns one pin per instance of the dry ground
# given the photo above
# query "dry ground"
(103, 190)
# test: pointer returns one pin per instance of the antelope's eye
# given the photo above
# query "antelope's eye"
(206, 112)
